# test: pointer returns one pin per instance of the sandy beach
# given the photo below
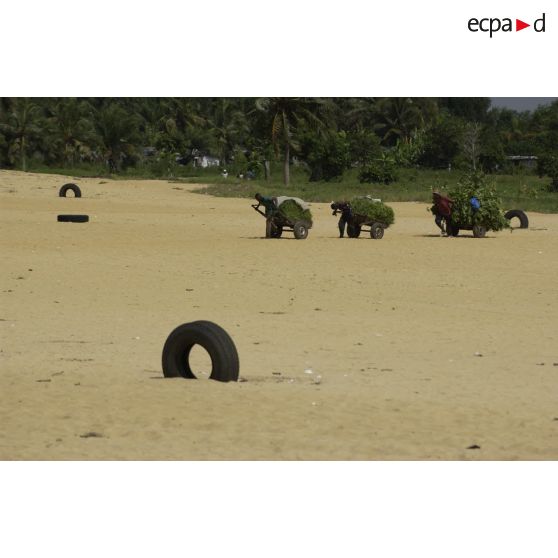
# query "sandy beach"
(413, 347)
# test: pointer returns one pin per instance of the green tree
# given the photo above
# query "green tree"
(397, 118)
(22, 124)
(72, 131)
(442, 142)
(118, 132)
(364, 146)
(286, 114)
(228, 125)
(471, 145)
(328, 155)
(471, 109)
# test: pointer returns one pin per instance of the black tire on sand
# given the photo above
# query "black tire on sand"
(213, 338)
(73, 218)
(70, 187)
(521, 215)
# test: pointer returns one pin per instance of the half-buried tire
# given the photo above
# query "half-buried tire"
(73, 218)
(70, 187)
(521, 215)
(213, 338)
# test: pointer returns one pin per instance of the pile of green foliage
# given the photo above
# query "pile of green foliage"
(489, 215)
(293, 212)
(365, 210)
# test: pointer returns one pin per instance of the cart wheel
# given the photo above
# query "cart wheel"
(276, 231)
(353, 231)
(300, 230)
(451, 230)
(376, 231)
(479, 231)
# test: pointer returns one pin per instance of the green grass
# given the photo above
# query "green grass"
(521, 191)
(140, 172)
(527, 192)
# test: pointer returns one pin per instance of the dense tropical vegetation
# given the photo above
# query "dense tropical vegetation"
(324, 139)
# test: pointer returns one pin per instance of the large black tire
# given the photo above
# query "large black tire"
(213, 338)
(376, 231)
(300, 230)
(73, 187)
(479, 231)
(73, 218)
(521, 215)
(353, 231)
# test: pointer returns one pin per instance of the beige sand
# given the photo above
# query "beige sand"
(391, 326)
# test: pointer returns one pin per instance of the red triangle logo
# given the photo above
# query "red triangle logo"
(519, 25)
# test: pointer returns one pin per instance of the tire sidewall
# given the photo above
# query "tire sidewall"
(67, 187)
(214, 339)
(377, 231)
(300, 230)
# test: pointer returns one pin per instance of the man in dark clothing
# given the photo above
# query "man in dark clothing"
(345, 209)
(270, 204)
(441, 209)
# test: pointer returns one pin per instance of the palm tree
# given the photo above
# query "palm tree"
(179, 118)
(118, 132)
(22, 124)
(358, 113)
(286, 113)
(228, 126)
(397, 118)
(72, 128)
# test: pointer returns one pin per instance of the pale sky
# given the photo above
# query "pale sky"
(520, 103)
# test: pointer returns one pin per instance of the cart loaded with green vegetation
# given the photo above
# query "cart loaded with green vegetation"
(285, 213)
(475, 206)
(365, 214)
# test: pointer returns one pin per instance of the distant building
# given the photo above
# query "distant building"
(205, 161)
(527, 161)
(149, 151)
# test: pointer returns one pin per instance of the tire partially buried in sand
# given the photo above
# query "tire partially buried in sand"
(73, 218)
(521, 215)
(213, 338)
(70, 187)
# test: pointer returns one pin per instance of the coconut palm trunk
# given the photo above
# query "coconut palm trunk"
(22, 154)
(286, 168)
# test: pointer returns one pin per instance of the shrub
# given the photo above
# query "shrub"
(327, 157)
(364, 147)
(378, 172)
(548, 165)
